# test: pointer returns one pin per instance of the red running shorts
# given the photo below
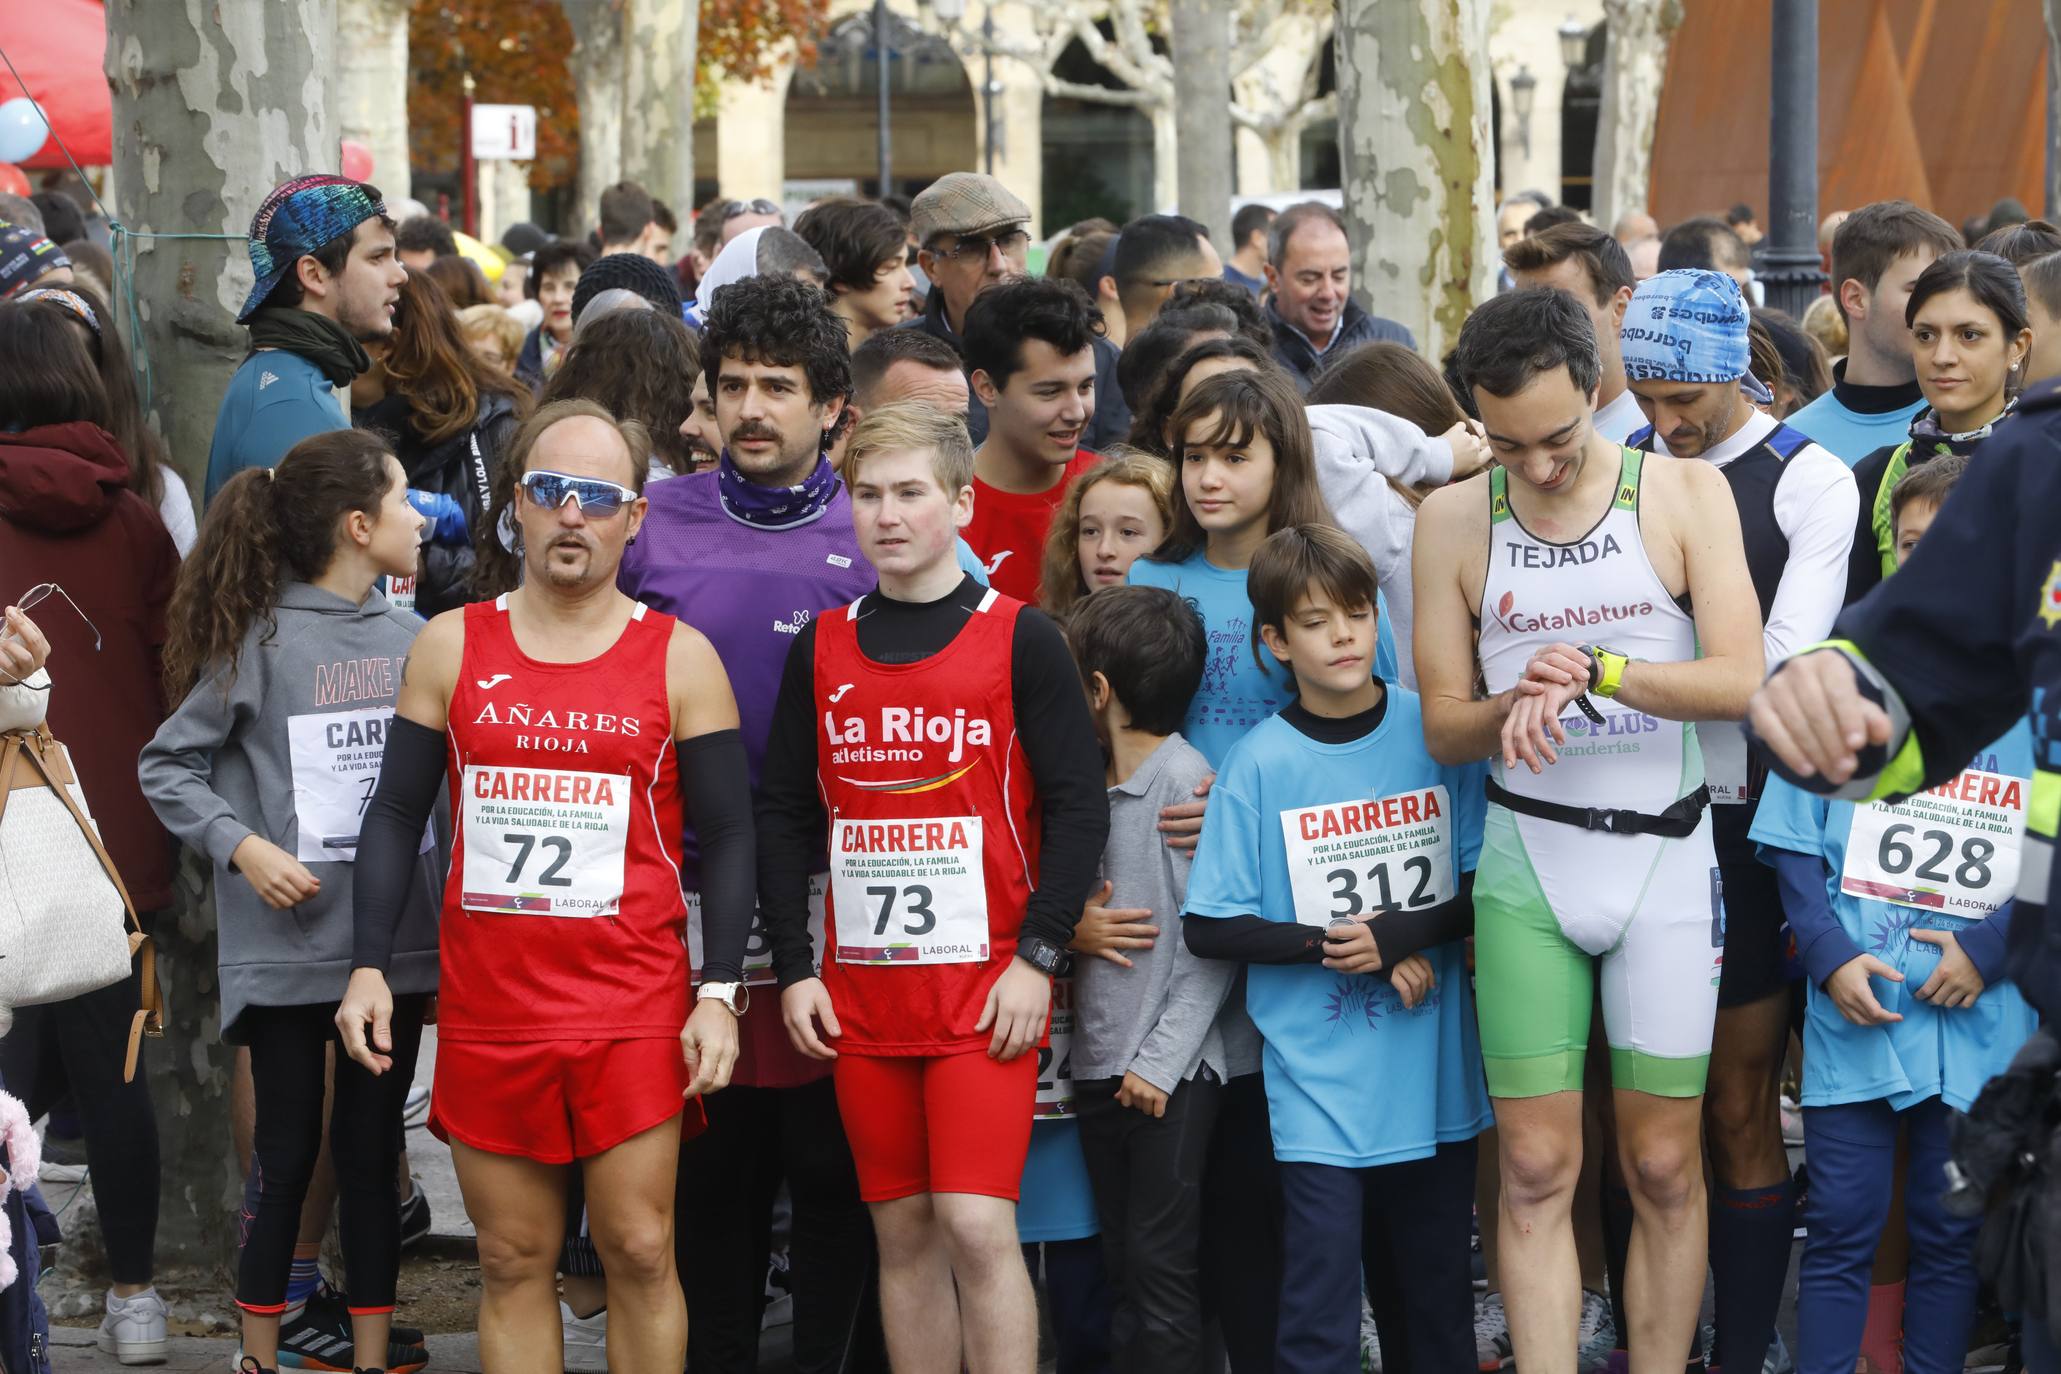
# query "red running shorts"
(957, 1123)
(556, 1101)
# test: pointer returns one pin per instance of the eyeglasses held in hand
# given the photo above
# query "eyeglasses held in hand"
(30, 599)
(597, 499)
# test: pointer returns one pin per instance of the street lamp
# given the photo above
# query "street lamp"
(1789, 258)
(882, 64)
(1574, 42)
(1524, 89)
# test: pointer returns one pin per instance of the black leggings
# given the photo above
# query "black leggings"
(287, 1045)
(80, 1043)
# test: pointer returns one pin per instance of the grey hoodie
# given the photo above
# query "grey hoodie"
(318, 692)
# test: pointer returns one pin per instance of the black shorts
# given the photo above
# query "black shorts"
(1756, 932)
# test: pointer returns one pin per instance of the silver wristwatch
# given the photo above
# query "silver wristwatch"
(735, 997)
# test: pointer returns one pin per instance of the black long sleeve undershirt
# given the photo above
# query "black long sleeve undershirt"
(1398, 934)
(1052, 722)
(411, 771)
(713, 778)
(715, 781)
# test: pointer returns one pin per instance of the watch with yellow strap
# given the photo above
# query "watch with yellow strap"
(1606, 670)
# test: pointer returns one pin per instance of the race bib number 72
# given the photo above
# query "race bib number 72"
(1354, 858)
(1953, 850)
(544, 841)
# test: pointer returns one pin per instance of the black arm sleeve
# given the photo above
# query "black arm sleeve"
(1944, 630)
(1066, 762)
(410, 772)
(791, 819)
(1252, 940)
(1399, 934)
(714, 777)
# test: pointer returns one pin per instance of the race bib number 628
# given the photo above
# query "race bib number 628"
(1953, 850)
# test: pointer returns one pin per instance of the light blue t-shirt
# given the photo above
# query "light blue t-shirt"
(1352, 1078)
(1236, 692)
(275, 400)
(1057, 1202)
(1851, 435)
(1934, 1051)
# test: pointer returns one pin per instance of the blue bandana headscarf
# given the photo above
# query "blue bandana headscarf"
(1688, 325)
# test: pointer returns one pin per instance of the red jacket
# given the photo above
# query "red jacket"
(67, 516)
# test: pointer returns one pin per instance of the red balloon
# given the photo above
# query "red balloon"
(357, 160)
(12, 180)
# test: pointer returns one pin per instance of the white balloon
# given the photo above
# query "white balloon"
(22, 129)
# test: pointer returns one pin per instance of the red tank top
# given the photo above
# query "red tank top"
(933, 831)
(563, 918)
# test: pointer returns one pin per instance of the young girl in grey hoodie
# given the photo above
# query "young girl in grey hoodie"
(286, 660)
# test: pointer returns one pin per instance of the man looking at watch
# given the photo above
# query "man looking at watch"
(937, 732)
(1596, 861)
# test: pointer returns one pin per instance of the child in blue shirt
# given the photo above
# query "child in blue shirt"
(1337, 860)
(1901, 914)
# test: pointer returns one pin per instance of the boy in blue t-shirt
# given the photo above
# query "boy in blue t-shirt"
(1337, 860)
(1901, 915)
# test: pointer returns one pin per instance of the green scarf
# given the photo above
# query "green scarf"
(319, 339)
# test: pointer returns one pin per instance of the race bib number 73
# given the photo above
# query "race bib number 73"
(544, 841)
(1354, 858)
(909, 892)
(1953, 850)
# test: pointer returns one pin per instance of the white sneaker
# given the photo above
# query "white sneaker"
(415, 1110)
(1491, 1332)
(133, 1331)
(583, 1333)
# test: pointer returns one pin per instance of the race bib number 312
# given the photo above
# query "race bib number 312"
(544, 841)
(909, 892)
(1354, 858)
(1953, 850)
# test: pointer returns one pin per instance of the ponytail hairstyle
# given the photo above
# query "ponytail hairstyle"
(266, 525)
(1228, 410)
(1060, 584)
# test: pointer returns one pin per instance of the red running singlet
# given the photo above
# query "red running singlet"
(563, 917)
(933, 831)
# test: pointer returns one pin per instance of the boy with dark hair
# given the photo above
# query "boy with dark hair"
(1153, 253)
(2042, 278)
(627, 220)
(865, 261)
(1336, 860)
(421, 240)
(1593, 267)
(1709, 243)
(1148, 1059)
(1246, 268)
(1030, 345)
(322, 250)
(1878, 254)
(1902, 914)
